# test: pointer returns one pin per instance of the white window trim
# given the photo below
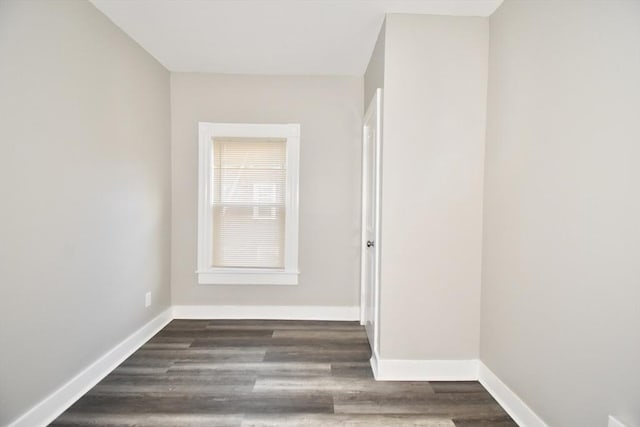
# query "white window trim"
(208, 275)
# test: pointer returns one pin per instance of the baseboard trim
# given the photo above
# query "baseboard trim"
(460, 370)
(57, 402)
(267, 312)
(374, 363)
(614, 422)
(424, 370)
(522, 414)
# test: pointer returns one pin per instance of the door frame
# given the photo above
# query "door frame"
(375, 107)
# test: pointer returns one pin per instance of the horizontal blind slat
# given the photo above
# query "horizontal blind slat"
(248, 203)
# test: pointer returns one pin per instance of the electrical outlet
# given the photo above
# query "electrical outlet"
(147, 299)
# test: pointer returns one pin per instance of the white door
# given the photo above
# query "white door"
(371, 144)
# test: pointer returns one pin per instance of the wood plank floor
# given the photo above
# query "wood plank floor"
(271, 373)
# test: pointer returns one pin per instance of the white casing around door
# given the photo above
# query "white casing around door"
(370, 249)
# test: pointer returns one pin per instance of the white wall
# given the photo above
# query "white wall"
(330, 112)
(374, 74)
(435, 81)
(84, 182)
(561, 290)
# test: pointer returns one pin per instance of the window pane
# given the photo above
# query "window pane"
(249, 194)
(248, 236)
(249, 186)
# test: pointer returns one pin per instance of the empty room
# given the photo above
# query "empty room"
(320, 213)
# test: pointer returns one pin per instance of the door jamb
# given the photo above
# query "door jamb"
(375, 106)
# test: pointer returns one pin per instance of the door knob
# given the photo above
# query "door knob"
(370, 243)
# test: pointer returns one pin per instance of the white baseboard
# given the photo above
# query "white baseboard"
(512, 404)
(461, 370)
(384, 369)
(266, 312)
(614, 422)
(424, 370)
(374, 363)
(57, 402)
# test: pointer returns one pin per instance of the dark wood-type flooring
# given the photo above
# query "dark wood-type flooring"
(271, 373)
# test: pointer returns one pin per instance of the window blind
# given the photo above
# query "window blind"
(249, 195)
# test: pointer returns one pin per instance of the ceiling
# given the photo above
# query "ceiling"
(301, 37)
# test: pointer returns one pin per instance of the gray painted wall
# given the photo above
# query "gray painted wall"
(435, 79)
(561, 290)
(329, 110)
(84, 184)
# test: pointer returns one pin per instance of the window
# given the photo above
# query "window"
(248, 203)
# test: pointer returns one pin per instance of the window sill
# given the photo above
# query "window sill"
(247, 277)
